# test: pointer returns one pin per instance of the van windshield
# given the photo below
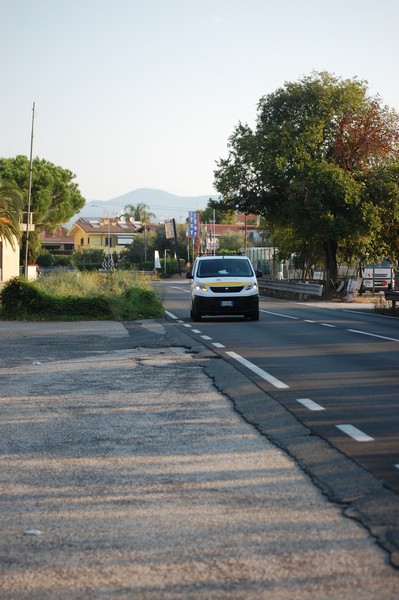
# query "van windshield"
(225, 268)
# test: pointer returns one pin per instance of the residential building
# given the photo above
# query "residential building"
(114, 233)
(57, 242)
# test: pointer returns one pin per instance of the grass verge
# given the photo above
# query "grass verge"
(116, 296)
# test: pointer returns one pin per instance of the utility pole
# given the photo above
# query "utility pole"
(29, 193)
(109, 235)
(214, 232)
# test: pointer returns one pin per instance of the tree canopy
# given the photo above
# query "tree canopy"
(323, 164)
(55, 198)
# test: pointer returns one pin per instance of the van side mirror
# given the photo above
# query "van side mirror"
(189, 275)
(258, 274)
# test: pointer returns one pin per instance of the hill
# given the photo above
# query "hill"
(163, 204)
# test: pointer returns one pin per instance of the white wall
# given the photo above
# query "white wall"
(9, 260)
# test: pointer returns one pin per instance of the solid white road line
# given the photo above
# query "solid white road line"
(355, 433)
(310, 404)
(171, 315)
(381, 337)
(266, 376)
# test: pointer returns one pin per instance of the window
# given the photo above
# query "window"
(224, 268)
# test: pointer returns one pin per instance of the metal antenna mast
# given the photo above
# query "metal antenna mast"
(29, 193)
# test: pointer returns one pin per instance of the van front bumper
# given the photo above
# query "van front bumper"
(228, 305)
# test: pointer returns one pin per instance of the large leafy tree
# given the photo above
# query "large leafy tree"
(10, 213)
(55, 197)
(322, 162)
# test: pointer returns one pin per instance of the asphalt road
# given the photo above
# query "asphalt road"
(136, 463)
(334, 367)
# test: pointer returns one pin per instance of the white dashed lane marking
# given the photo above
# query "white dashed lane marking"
(355, 433)
(280, 315)
(310, 404)
(258, 371)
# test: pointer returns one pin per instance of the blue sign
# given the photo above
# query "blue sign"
(193, 231)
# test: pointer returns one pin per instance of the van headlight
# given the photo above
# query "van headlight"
(202, 288)
(251, 286)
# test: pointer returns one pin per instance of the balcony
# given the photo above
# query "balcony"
(27, 222)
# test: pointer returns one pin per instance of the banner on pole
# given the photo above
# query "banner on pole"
(169, 229)
(193, 224)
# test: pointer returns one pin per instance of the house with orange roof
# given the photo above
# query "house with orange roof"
(114, 233)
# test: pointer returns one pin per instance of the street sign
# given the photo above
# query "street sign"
(169, 229)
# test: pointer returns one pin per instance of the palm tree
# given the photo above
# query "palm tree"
(138, 212)
(10, 212)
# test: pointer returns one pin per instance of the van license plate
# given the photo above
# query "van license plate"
(227, 303)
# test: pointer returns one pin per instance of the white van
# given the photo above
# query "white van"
(224, 285)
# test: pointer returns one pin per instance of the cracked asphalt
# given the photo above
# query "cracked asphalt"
(136, 465)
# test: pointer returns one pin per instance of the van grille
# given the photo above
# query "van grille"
(227, 290)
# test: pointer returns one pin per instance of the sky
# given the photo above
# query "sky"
(145, 93)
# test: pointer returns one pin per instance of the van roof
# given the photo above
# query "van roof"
(222, 256)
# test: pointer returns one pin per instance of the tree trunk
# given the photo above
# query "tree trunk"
(330, 265)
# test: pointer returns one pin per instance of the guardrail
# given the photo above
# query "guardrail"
(393, 296)
(291, 287)
(52, 270)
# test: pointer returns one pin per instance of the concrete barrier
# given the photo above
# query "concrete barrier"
(393, 297)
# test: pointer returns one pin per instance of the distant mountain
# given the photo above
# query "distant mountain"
(163, 204)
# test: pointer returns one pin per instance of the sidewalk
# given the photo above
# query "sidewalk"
(126, 474)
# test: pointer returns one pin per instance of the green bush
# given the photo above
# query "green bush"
(172, 266)
(76, 307)
(62, 260)
(88, 260)
(45, 259)
(87, 297)
(19, 297)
